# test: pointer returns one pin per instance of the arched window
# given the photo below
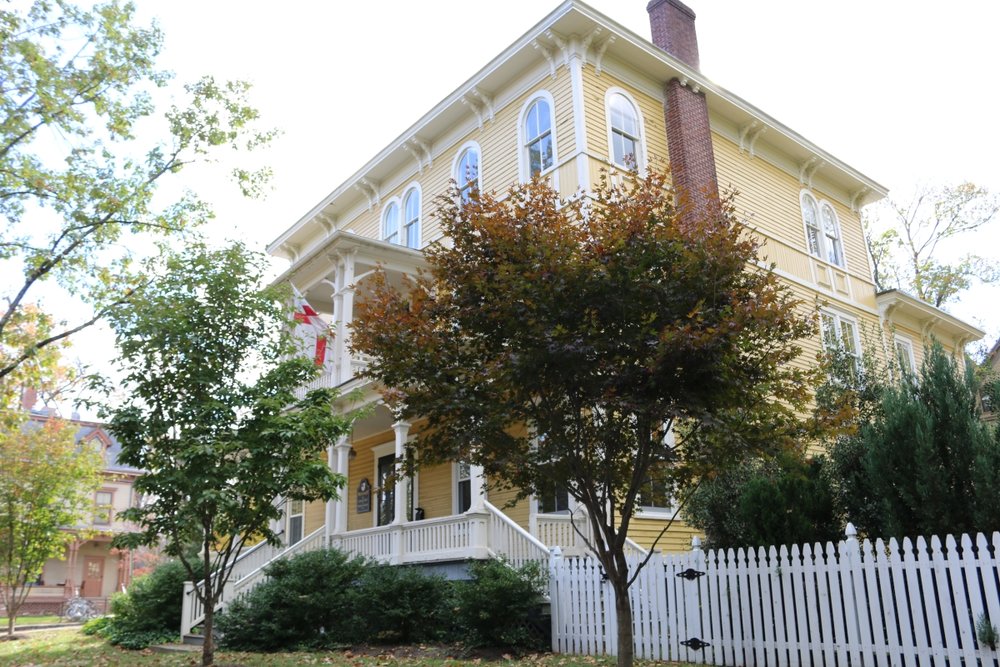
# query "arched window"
(390, 223)
(831, 233)
(467, 172)
(623, 122)
(538, 143)
(822, 230)
(411, 218)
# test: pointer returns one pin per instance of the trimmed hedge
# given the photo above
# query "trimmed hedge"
(325, 599)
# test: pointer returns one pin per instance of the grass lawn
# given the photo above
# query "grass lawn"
(31, 620)
(69, 647)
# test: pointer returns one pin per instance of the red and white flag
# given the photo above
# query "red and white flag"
(312, 332)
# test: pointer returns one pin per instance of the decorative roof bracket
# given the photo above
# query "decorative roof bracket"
(548, 56)
(420, 151)
(370, 190)
(808, 169)
(599, 54)
(749, 134)
(857, 197)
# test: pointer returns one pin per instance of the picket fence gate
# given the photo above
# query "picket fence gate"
(887, 604)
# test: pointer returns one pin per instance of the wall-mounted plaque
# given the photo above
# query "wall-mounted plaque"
(364, 502)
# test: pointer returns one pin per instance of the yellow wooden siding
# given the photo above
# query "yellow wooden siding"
(518, 512)
(435, 490)
(769, 198)
(315, 516)
(499, 160)
(645, 530)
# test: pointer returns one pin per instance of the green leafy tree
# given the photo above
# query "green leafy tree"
(47, 486)
(76, 184)
(757, 503)
(561, 342)
(213, 416)
(906, 241)
(924, 463)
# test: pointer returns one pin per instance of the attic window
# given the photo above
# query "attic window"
(411, 218)
(822, 230)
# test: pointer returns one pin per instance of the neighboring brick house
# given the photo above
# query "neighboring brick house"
(577, 95)
(90, 568)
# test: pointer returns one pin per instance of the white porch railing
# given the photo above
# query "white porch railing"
(558, 530)
(248, 571)
(515, 544)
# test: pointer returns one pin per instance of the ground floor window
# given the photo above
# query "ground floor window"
(296, 520)
(553, 499)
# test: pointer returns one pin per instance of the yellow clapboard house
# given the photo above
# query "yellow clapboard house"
(572, 97)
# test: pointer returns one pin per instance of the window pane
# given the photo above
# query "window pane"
(535, 158)
(390, 224)
(847, 336)
(531, 130)
(464, 495)
(623, 116)
(813, 235)
(468, 173)
(904, 352)
(544, 117)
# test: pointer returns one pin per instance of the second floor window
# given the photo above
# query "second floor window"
(411, 219)
(390, 223)
(624, 123)
(538, 145)
(467, 172)
(822, 230)
(102, 508)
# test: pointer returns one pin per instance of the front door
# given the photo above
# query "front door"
(386, 489)
(93, 577)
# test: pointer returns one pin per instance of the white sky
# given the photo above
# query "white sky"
(903, 91)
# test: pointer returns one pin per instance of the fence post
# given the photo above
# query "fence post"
(186, 608)
(555, 558)
(851, 578)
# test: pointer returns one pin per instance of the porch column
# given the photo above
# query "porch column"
(330, 509)
(69, 587)
(477, 488)
(343, 451)
(344, 333)
(401, 493)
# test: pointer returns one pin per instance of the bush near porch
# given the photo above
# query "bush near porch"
(324, 599)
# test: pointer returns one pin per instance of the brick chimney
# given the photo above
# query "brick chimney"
(689, 136)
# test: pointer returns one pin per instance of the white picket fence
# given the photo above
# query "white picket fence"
(851, 605)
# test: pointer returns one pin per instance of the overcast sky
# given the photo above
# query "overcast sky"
(905, 92)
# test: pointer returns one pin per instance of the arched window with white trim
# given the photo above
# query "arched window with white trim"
(411, 218)
(624, 130)
(390, 223)
(539, 144)
(467, 171)
(831, 233)
(822, 230)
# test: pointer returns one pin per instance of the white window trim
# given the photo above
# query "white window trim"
(839, 317)
(385, 209)
(407, 191)
(454, 485)
(289, 515)
(468, 145)
(908, 343)
(524, 165)
(820, 203)
(640, 157)
(378, 452)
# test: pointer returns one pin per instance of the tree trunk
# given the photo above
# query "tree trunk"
(626, 652)
(208, 647)
(10, 624)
